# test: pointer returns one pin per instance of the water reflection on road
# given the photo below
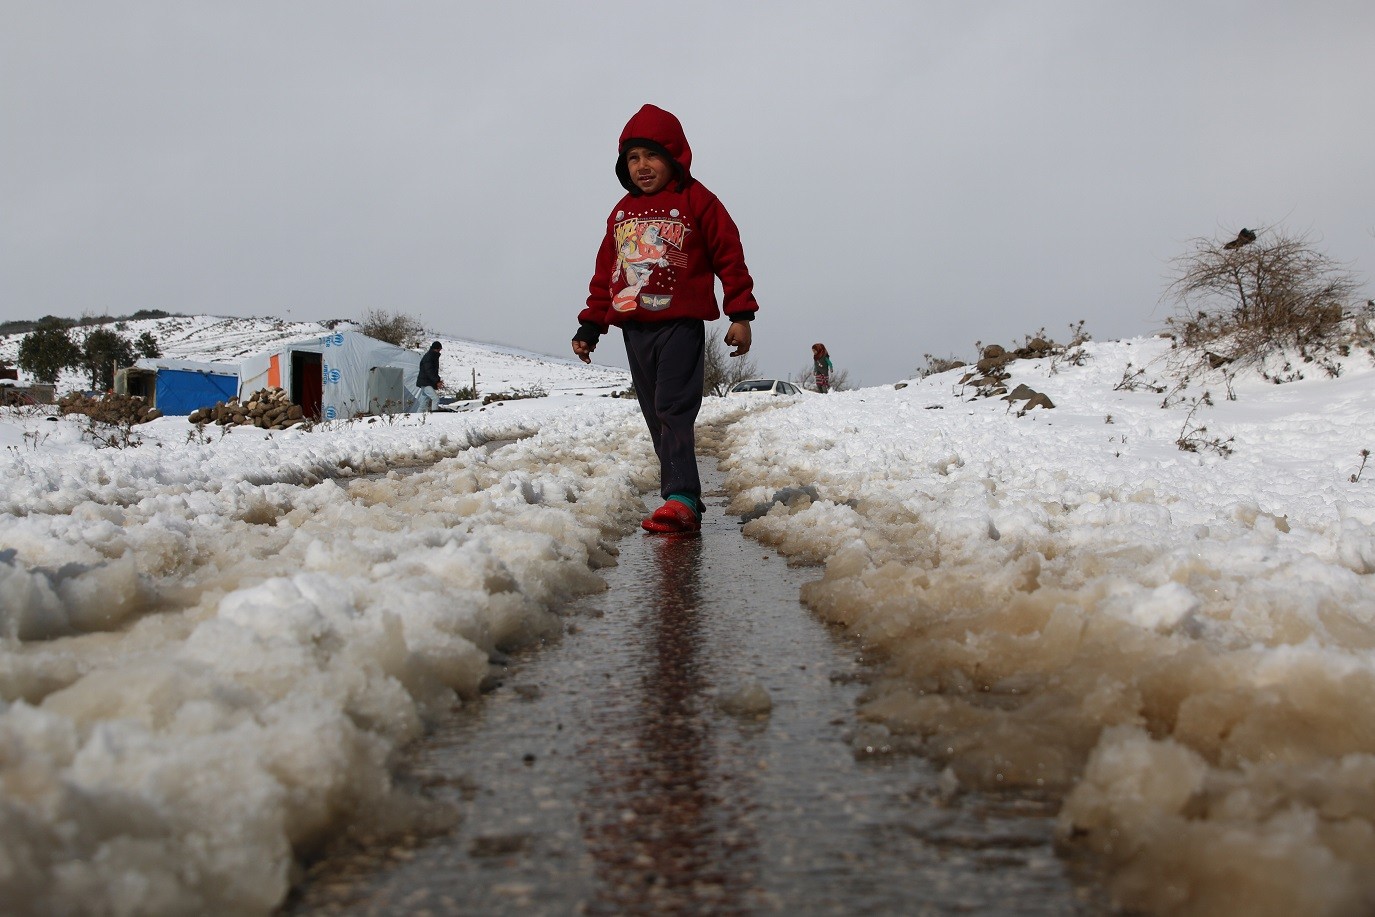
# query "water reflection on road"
(603, 777)
(664, 825)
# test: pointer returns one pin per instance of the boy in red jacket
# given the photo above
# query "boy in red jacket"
(666, 243)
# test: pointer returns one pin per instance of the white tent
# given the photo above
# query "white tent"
(337, 376)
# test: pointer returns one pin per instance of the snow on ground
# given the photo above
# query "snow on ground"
(210, 649)
(210, 642)
(1179, 642)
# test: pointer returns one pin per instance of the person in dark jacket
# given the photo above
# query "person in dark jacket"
(427, 380)
(667, 241)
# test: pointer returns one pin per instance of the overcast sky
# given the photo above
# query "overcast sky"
(908, 177)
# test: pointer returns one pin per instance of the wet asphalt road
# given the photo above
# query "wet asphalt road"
(614, 772)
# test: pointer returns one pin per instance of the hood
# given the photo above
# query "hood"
(659, 130)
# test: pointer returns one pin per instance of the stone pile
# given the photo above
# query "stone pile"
(990, 375)
(269, 408)
(117, 410)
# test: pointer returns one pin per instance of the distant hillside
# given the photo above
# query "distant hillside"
(24, 326)
(218, 339)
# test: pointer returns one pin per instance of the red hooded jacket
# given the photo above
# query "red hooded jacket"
(662, 251)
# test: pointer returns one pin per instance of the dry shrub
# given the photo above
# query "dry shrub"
(398, 328)
(720, 371)
(935, 364)
(1243, 303)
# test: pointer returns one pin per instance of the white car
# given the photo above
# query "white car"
(764, 387)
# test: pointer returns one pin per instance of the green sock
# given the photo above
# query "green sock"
(690, 502)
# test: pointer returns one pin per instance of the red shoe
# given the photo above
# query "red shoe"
(672, 518)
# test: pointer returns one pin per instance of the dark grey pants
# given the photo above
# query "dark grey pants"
(666, 365)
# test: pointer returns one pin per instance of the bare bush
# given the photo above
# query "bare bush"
(517, 394)
(1241, 301)
(1073, 353)
(396, 328)
(1365, 456)
(1134, 379)
(935, 364)
(721, 371)
(1194, 437)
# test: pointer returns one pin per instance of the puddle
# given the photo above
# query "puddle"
(690, 746)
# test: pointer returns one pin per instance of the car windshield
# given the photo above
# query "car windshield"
(762, 385)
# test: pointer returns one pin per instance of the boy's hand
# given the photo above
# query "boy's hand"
(584, 350)
(739, 336)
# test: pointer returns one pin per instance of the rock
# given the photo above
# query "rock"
(786, 496)
(111, 408)
(746, 699)
(1020, 393)
(267, 409)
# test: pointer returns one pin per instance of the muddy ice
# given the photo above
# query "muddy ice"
(201, 683)
(1178, 648)
(690, 746)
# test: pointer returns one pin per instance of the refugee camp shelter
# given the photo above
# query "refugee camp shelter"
(178, 386)
(337, 376)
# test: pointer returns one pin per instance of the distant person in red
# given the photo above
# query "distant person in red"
(666, 243)
(821, 368)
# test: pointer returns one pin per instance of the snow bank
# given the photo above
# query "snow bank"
(204, 668)
(1178, 644)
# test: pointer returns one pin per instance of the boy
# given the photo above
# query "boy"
(666, 243)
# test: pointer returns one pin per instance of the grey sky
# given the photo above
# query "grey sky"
(908, 177)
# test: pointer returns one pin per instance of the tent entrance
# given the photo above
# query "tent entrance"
(140, 382)
(307, 382)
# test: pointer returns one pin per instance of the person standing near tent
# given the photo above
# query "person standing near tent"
(821, 368)
(427, 380)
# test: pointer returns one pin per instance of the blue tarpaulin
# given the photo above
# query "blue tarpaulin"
(181, 391)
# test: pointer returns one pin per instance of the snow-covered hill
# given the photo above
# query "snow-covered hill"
(216, 339)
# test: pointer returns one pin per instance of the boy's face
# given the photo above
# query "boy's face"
(649, 170)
